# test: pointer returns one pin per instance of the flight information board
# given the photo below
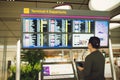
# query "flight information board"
(62, 33)
(63, 29)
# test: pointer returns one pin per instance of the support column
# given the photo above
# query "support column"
(18, 61)
(112, 60)
(4, 69)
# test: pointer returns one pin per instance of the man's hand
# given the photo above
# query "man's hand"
(80, 68)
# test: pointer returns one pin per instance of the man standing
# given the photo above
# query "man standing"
(94, 63)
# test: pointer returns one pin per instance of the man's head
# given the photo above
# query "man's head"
(94, 42)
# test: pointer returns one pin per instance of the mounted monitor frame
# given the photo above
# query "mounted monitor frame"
(63, 29)
(58, 71)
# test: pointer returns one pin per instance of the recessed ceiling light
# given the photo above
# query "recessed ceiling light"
(60, 2)
(103, 5)
(63, 7)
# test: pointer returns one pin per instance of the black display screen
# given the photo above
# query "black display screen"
(62, 32)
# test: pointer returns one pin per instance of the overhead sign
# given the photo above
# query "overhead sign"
(65, 12)
(44, 11)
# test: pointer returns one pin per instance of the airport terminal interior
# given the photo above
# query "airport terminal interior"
(12, 30)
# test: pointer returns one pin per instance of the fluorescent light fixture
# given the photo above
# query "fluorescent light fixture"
(9, 46)
(68, 7)
(114, 25)
(103, 5)
(116, 46)
(10, 0)
(116, 18)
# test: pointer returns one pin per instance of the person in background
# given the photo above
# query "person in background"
(93, 68)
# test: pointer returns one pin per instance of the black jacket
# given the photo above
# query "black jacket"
(94, 66)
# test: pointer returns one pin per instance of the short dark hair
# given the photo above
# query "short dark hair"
(95, 42)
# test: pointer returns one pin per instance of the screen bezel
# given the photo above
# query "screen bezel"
(63, 17)
(47, 63)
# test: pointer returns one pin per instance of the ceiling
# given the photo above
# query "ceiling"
(10, 11)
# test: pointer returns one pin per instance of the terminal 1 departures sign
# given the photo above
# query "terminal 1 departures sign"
(62, 30)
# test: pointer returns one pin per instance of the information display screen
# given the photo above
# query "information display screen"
(101, 30)
(61, 71)
(81, 40)
(62, 32)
